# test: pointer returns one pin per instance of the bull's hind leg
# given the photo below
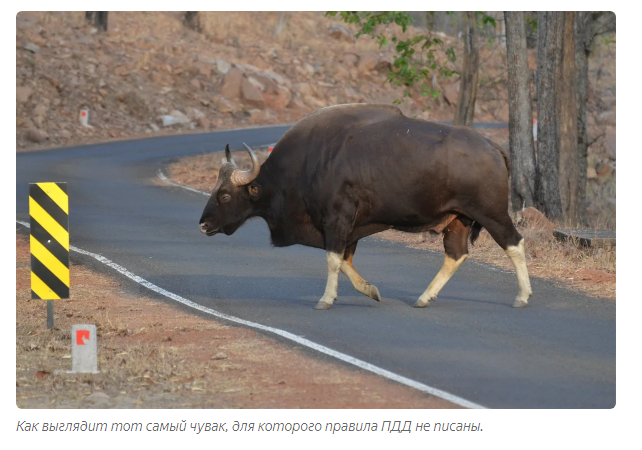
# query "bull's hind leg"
(357, 281)
(456, 249)
(505, 234)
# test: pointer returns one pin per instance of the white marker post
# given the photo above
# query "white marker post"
(84, 349)
(84, 118)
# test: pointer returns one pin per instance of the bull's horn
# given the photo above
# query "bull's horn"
(243, 177)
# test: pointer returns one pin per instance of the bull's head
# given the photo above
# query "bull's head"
(232, 199)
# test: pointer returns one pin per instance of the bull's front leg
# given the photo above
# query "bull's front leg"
(334, 265)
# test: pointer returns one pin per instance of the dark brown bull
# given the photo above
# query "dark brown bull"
(349, 171)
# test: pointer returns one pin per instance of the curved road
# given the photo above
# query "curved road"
(557, 353)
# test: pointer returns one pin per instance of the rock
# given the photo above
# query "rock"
(606, 118)
(30, 46)
(203, 122)
(251, 95)
(175, 118)
(225, 106)
(609, 142)
(591, 173)
(197, 84)
(309, 69)
(367, 62)
(231, 87)
(351, 58)
(341, 33)
(23, 93)
(36, 136)
(136, 104)
(193, 113)
(268, 86)
(341, 73)
(39, 113)
(603, 171)
(154, 127)
(313, 101)
(297, 105)
(258, 116)
(535, 218)
(280, 99)
(451, 92)
(219, 356)
(65, 134)
(204, 70)
(121, 71)
(256, 83)
(279, 79)
(304, 89)
(260, 63)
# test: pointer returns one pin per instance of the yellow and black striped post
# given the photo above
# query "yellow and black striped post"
(49, 243)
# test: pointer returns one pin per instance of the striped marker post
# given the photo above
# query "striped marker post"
(49, 243)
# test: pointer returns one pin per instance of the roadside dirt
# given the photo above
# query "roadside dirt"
(590, 271)
(154, 355)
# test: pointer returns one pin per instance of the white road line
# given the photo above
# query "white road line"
(163, 178)
(285, 334)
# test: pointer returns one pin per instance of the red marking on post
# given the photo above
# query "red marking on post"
(81, 335)
(83, 113)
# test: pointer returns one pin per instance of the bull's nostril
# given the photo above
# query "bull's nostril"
(203, 228)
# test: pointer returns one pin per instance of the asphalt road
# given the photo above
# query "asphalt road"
(557, 353)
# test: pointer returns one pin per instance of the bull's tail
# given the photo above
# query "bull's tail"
(475, 229)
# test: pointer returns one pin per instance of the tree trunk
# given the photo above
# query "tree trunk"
(549, 46)
(581, 92)
(101, 20)
(89, 16)
(569, 161)
(465, 112)
(191, 20)
(520, 113)
(280, 25)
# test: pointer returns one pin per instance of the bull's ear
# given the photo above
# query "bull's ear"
(254, 190)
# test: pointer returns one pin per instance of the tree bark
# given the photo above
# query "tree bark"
(281, 24)
(569, 162)
(520, 113)
(191, 20)
(588, 25)
(465, 112)
(100, 20)
(581, 92)
(549, 45)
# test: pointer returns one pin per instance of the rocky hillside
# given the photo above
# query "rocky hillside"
(150, 75)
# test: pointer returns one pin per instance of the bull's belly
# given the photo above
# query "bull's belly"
(417, 225)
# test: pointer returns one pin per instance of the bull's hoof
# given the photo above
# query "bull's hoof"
(423, 302)
(322, 305)
(519, 303)
(374, 293)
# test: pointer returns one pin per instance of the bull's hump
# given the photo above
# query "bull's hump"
(354, 112)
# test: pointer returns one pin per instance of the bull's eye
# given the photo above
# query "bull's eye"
(225, 198)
